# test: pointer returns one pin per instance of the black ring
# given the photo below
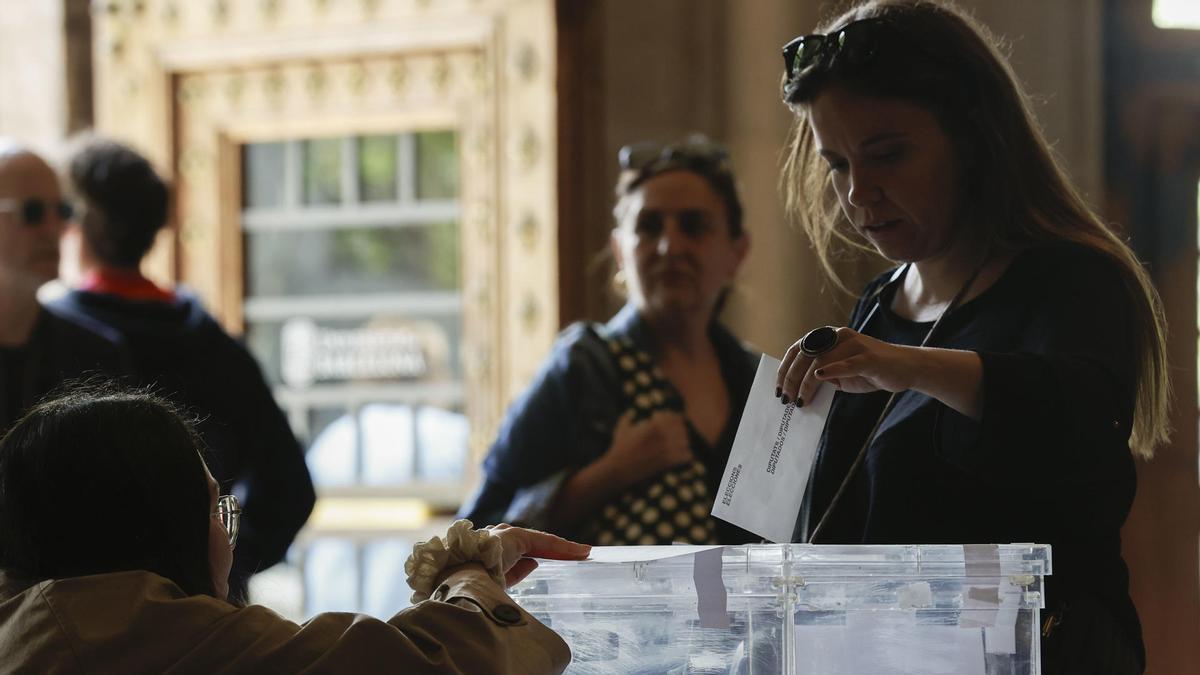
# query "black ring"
(818, 341)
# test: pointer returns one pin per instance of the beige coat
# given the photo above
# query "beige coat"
(138, 622)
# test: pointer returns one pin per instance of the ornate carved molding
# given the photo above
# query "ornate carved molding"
(188, 82)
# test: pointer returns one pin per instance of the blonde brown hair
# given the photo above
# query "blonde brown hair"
(1014, 190)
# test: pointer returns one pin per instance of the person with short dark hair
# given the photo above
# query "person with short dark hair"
(996, 384)
(38, 346)
(623, 436)
(181, 350)
(116, 546)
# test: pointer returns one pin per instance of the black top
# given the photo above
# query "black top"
(565, 421)
(181, 351)
(59, 348)
(1049, 462)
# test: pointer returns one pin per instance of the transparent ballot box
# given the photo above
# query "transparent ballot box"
(782, 609)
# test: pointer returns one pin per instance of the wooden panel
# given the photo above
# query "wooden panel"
(1162, 536)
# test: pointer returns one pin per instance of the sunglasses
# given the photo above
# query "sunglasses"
(34, 212)
(696, 153)
(855, 44)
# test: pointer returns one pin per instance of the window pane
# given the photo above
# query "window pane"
(442, 437)
(377, 169)
(437, 165)
(389, 434)
(262, 167)
(322, 160)
(1180, 14)
(331, 576)
(262, 339)
(353, 308)
(333, 447)
(385, 591)
(353, 260)
(388, 439)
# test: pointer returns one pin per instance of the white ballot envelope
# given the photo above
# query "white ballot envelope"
(772, 454)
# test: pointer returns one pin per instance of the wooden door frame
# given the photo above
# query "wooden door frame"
(187, 82)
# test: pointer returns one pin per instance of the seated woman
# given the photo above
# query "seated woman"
(624, 434)
(115, 551)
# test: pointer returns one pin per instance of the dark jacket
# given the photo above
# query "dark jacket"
(59, 348)
(1049, 462)
(565, 421)
(180, 350)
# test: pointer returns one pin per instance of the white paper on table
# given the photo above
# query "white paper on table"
(767, 473)
(628, 554)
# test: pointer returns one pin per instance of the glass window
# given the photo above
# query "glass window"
(385, 592)
(332, 448)
(331, 576)
(441, 443)
(377, 169)
(322, 162)
(437, 166)
(382, 348)
(353, 306)
(346, 260)
(262, 170)
(1176, 14)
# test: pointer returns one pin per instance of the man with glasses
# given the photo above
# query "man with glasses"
(38, 348)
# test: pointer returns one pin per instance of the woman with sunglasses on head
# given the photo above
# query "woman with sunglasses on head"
(115, 552)
(623, 435)
(995, 386)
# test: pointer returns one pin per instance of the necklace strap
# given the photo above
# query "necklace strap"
(891, 402)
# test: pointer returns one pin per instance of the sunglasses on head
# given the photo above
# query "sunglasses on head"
(855, 44)
(696, 152)
(33, 212)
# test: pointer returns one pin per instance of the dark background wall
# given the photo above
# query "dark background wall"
(1151, 170)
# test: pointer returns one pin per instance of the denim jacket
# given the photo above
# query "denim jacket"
(565, 421)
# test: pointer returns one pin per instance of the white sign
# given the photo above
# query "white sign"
(772, 454)
(312, 353)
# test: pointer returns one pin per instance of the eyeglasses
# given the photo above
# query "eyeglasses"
(696, 152)
(34, 211)
(229, 511)
(855, 44)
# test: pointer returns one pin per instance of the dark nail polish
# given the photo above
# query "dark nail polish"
(819, 372)
(799, 402)
(778, 391)
(784, 399)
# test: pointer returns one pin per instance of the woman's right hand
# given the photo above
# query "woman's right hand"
(521, 546)
(860, 364)
(639, 451)
(856, 363)
(643, 449)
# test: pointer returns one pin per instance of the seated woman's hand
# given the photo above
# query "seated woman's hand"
(857, 364)
(643, 449)
(521, 546)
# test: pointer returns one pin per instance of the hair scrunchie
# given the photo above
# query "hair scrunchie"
(462, 544)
